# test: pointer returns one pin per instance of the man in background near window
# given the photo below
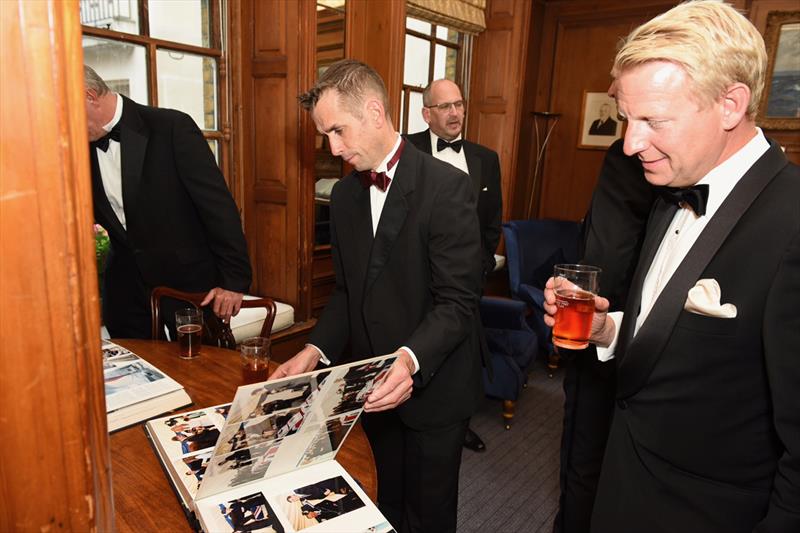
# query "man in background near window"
(169, 214)
(406, 254)
(706, 429)
(443, 111)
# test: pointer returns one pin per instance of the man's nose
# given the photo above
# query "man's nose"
(635, 139)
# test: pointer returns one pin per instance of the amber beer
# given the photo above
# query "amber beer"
(255, 359)
(189, 337)
(575, 287)
(189, 324)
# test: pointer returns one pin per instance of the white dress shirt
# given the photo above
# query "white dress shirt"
(448, 155)
(377, 199)
(684, 230)
(110, 164)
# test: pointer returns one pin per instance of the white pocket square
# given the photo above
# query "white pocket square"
(486, 188)
(704, 299)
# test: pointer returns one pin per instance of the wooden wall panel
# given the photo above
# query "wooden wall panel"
(53, 437)
(497, 84)
(272, 46)
(576, 46)
(375, 34)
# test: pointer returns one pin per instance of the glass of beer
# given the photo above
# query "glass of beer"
(189, 324)
(575, 287)
(255, 359)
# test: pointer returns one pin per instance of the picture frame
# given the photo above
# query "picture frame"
(779, 108)
(600, 125)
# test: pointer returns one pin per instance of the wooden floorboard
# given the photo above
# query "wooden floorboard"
(513, 486)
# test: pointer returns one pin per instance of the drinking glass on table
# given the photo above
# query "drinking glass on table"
(255, 359)
(575, 287)
(189, 325)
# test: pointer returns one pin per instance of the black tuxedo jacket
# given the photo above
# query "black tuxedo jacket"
(706, 433)
(609, 127)
(183, 227)
(416, 283)
(484, 169)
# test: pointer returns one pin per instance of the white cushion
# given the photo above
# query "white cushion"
(499, 262)
(249, 320)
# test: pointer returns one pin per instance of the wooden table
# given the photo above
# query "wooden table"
(143, 496)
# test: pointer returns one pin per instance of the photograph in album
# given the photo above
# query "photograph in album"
(232, 465)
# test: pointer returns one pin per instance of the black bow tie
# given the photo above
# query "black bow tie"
(102, 142)
(441, 144)
(696, 197)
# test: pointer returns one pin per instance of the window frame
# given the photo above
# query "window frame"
(462, 48)
(151, 45)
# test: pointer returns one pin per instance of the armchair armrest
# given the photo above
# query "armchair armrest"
(503, 313)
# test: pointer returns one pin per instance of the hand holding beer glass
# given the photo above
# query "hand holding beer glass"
(255, 359)
(189, 324)
(575, 287)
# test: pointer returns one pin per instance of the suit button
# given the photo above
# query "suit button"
(622, 404)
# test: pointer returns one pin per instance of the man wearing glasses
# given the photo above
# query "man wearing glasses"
(443, 111)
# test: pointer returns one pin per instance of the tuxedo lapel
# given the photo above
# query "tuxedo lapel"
(660, 219)
(393, 216)
(361, 226)
(104, 213)
(645, 349)
(133, 141)
(474, 167)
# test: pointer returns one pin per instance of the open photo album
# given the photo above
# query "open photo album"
(135, 389)
(266, 462)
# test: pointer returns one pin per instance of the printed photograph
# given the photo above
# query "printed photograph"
(113, 351)
(260, 430)
(129, 376)
(243, 466)
(353, 388)
(192, 469)
(274, 397)
(328, 439)
(250, 513)
(313, 504)
(599, 121)
(190, 432)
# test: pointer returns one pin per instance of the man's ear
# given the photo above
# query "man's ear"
(735, 101)
(91, 95)
(426, 115)
(375, 112)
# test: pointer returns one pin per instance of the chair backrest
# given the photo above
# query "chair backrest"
(215, 332)
(534, 246)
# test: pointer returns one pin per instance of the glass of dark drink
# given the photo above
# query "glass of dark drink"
(575, 287)
(255, 359)
(189, 324)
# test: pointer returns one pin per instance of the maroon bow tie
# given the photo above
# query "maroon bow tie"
(380, 179)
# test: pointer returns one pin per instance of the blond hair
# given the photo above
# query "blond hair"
(715, 44)
(352, 80)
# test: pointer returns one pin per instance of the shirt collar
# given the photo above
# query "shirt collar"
(382, 166)
(723, 178)
(117, 115)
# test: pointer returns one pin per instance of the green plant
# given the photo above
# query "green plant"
(102, 245)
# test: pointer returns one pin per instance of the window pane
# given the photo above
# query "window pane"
(403, 125)
(418, 25)
(443, 32)
(452, 63)
(439, 62)
(188, 82)
(183, 21)
(214, 145)
(415, 121)
(118, 15)
(415, 71)
(123, 66)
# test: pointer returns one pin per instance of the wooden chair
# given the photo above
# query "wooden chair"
(215, 332)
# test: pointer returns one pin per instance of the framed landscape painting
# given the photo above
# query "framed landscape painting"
(780, 103)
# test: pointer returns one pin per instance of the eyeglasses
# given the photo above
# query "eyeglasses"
(445, 107)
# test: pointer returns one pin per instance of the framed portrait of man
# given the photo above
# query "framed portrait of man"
(600, 125)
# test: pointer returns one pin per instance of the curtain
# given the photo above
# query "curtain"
(462, 15)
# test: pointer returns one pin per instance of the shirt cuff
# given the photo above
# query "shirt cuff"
(322, 359)
(413, 358)
(607, 353)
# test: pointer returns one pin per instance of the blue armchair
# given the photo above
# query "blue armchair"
(532, 248)
(512, 345)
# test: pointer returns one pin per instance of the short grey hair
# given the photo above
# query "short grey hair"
(94, 81)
